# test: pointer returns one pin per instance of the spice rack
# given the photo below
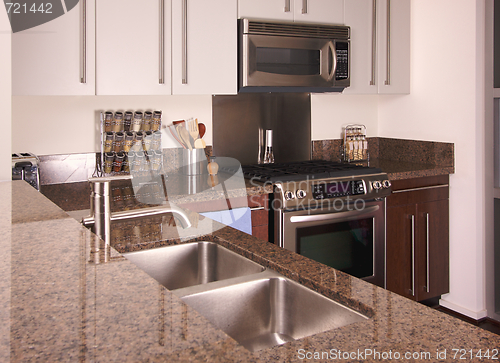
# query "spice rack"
(355, 145)
(131, 143)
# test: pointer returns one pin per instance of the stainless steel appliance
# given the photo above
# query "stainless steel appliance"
(331, 212)
(240, 121)
(293, 57)
(26, 166)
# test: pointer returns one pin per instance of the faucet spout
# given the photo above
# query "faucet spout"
(153, 211)
(100, 207)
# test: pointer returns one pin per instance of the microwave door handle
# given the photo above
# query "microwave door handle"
(333, 216)
(332, 67)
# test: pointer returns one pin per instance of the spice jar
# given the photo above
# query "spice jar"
(146, 122)
(138, 141)
(119, 141)
(108, 121)
(108, 142)
(137, 121)
(118, 121)
(156, 125)
(129, 141)
(127, 121)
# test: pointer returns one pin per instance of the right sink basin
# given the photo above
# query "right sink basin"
(191, 264)
(270, 311)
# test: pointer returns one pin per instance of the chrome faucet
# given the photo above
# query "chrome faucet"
(100, 208)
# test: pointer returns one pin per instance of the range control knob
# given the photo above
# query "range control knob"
(386, 184)
(300, 194)
(289, 195)
(377, 185)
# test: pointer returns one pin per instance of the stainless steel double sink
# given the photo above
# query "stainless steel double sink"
(257, 307)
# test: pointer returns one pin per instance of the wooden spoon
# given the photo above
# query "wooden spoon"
(184, 135)
(202, 129)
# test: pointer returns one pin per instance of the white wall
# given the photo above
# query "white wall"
(5, 96)
(447, 104)
(47, 125)
(330, 112)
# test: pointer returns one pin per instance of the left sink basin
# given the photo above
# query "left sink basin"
(191, 264)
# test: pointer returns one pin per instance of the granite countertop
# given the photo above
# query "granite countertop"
(398, 170)
(64, 297)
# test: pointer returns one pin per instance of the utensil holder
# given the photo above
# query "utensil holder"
(194, 162)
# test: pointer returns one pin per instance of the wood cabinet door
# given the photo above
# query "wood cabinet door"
(132, 55)
(400, 232)
(51, 59)
(204, 47)
(432, 249)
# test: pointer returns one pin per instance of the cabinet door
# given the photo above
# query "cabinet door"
(433, 249)
(400, 250)
(51, 59)
(204, 47)
(359, 15)
(310, 11)
(319, 11)
(132, 52)
(393, 38)
(266, 9)
(380, 46)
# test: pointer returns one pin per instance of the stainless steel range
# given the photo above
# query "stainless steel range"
(331, 212)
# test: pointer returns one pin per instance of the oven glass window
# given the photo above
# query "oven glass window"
(302, 62)
(346, 246)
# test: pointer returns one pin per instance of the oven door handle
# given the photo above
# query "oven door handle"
(332, 216)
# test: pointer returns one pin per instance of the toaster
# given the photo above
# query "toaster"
(26, 166)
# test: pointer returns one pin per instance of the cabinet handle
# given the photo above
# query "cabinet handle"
(427, 253)
(287, 6)
(304, 6)
(374, 40)
(83, 70)
(388, 69)
(184, 42)
(256, 208)
(162, 43)
(421, 188)
(412, 255)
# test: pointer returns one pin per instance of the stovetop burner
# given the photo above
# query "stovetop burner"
(303, 170)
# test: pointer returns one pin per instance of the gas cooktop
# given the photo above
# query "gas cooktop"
(304, 170)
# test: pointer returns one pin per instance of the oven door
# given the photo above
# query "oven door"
(351, 239)
(281, 61)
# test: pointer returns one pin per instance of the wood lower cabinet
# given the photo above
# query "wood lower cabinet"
(258, 205)
(417, 238)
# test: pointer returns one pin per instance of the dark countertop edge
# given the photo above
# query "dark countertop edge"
(445, 170)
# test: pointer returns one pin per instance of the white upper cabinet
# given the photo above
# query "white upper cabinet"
(380, 46)
(266, 9)
(310, 11)
(58, 57)
(204, 47)
(133, 47)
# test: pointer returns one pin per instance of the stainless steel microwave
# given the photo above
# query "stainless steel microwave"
(293, 57)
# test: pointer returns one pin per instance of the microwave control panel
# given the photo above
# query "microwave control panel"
(342, 50)
(338, 189)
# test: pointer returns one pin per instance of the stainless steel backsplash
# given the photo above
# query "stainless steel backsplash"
(237, 120)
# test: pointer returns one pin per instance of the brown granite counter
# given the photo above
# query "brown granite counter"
(399, 158)
(62, 301)
(397, 170)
